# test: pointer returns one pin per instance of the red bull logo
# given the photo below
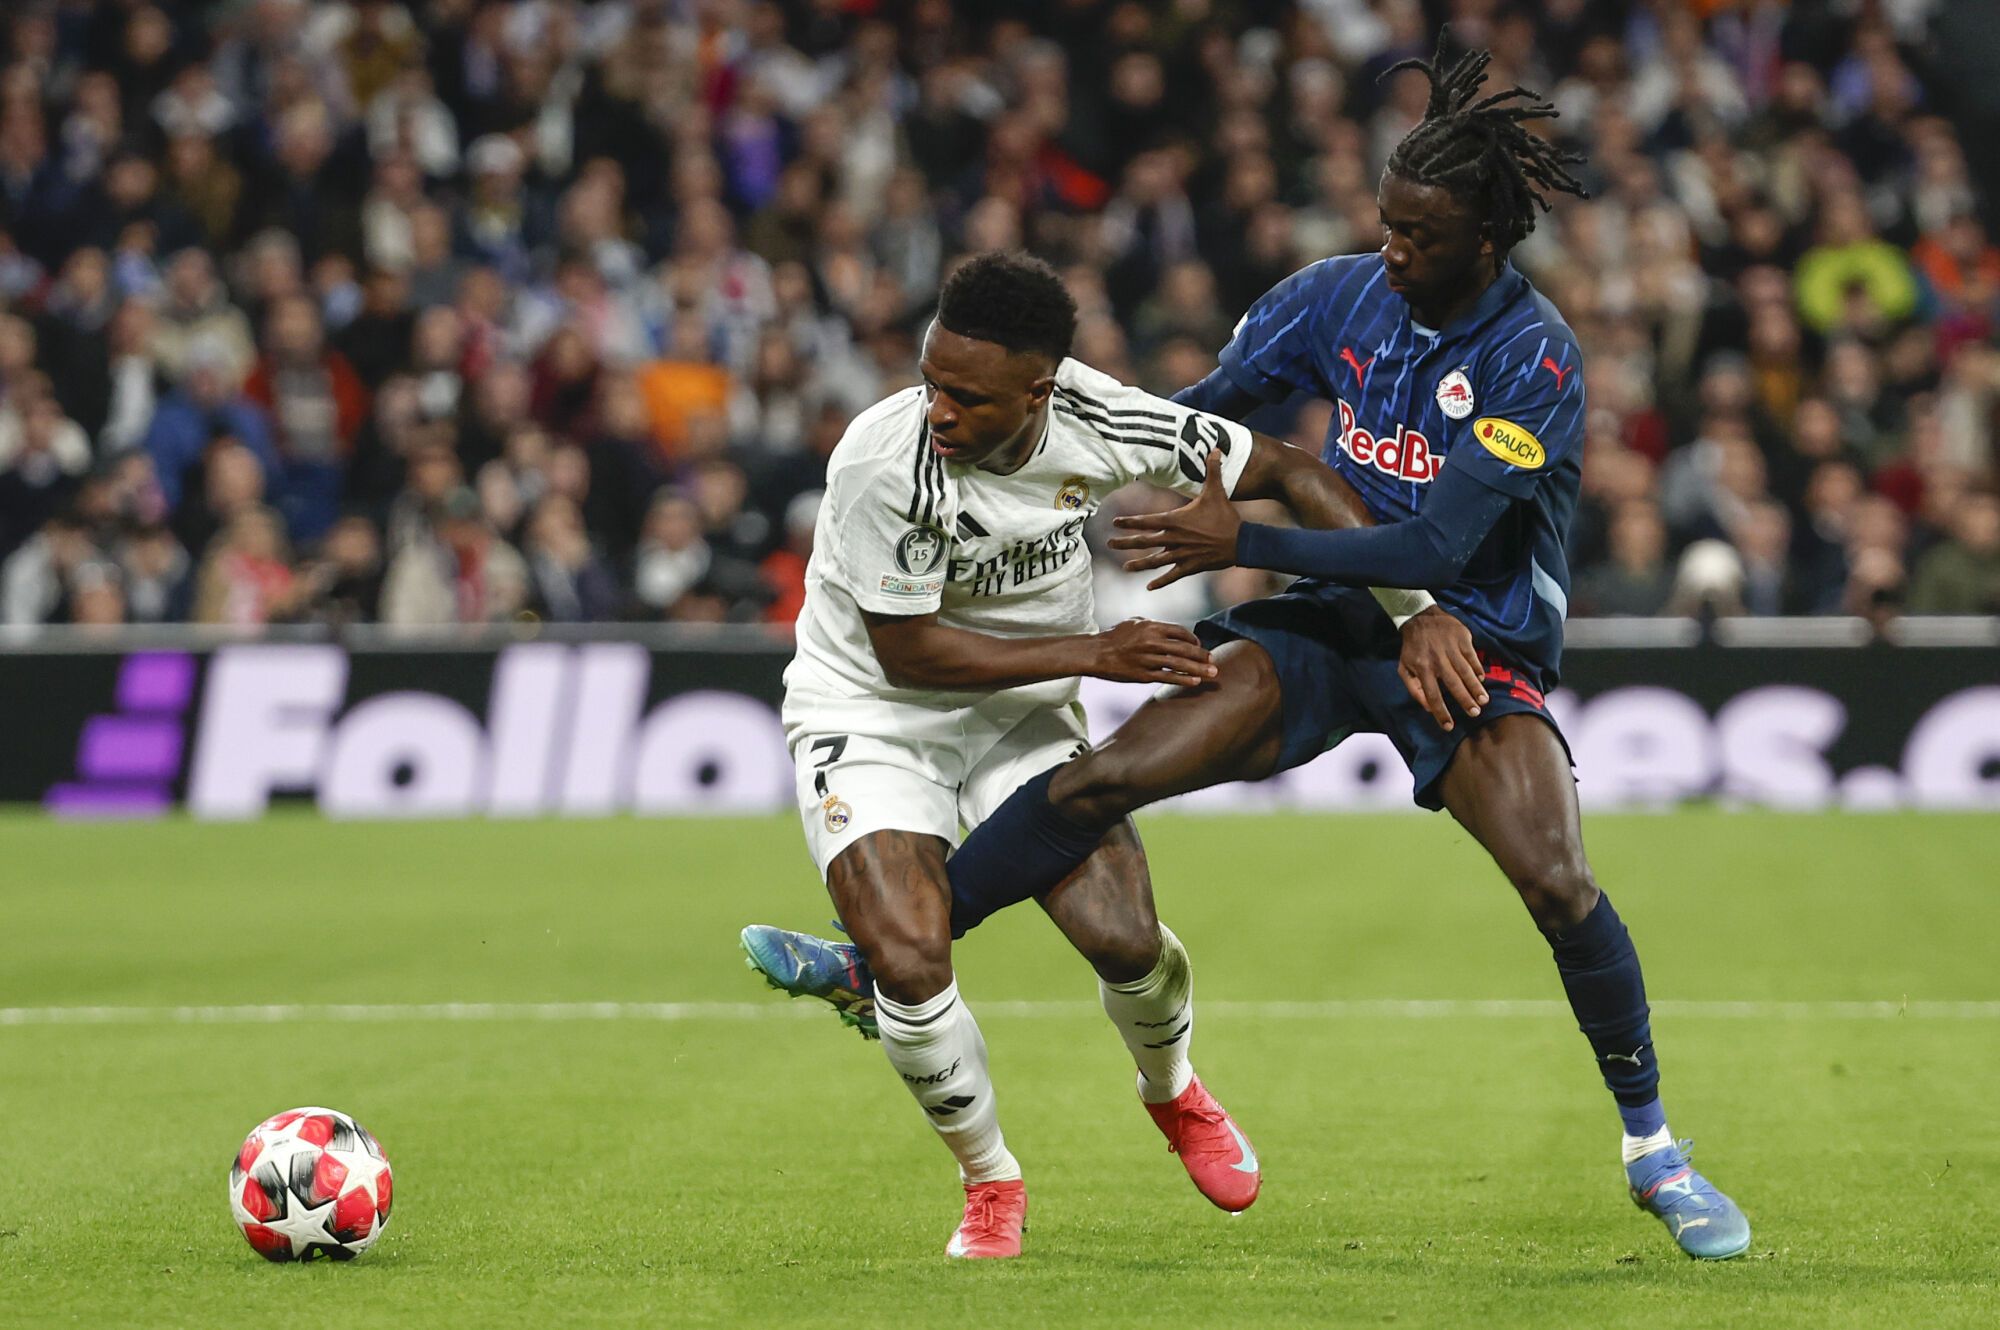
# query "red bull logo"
(1454, 395)
(1407, 456)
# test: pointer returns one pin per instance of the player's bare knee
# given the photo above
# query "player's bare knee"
(1558, 895)
(909, 969)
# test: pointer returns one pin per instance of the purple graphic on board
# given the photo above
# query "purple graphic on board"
(126, 762)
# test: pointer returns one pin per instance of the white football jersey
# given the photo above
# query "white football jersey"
(903, 531)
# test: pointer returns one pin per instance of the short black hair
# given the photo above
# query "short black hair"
(1013, 299)
(1478, 150)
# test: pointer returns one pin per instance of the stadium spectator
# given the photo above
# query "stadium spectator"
(343, 584)
(154, 569)
(1851, 280)
(457, 572)
(206, 406)
(35, 580)
(1636, 580)
(1962, 574)
(124, 383)
(571, 584)
(205, 185)
(196, 309)
(231, 483)
(246, 579)
(684, 384)
(672, 558)
(35, 475)
(784, 568)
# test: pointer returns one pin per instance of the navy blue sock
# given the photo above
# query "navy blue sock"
(1019, 852)
(1600, 972)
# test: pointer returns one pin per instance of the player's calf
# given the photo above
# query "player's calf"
(1105, 909)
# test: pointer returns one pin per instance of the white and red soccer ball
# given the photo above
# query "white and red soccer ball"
(310, 1182)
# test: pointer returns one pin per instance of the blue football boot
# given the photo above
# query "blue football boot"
(801, 965)
(1705, 1223)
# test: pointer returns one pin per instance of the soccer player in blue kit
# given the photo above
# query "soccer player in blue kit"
(1459, 422)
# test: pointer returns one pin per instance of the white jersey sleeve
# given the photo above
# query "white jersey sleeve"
(885, 515)
(1154, 440)
(1167, 444)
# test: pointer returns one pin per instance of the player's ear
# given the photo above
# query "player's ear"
(1039, 390)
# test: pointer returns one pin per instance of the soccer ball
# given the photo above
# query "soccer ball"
(310, 1182)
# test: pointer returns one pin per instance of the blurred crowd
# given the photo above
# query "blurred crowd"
(476, 310)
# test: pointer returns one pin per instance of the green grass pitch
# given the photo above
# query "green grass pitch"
(758, 1165)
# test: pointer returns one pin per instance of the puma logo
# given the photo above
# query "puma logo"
(1549, 364)
(1360, 367)
(1632, 1057)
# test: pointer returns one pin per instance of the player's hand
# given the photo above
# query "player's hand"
(1198, 537)
(1146, 651)
(1438, 659)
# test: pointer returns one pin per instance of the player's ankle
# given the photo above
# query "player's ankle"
(1001, 1167)
(1635, 1148)
(1644, 1118)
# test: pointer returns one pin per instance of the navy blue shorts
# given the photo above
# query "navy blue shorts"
(1336, 654)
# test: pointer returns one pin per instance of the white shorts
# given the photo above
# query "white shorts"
(865, 766)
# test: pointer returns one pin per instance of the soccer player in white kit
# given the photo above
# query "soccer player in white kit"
(947, 619)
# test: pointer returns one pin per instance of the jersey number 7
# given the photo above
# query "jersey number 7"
(835, 746)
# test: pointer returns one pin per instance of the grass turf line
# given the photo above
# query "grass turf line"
(731, 1172)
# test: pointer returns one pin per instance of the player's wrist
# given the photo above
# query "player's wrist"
(1252, 544)
(1097, 654)
(1404, 607)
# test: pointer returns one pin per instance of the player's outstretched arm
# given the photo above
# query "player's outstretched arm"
(1428, 550)
(1203, 535)
(1438, 656)
(917, 651)
(1315, 494)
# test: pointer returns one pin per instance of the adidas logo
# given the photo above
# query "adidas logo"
(950, 1106)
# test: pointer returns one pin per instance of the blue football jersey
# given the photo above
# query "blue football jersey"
(1499, 394)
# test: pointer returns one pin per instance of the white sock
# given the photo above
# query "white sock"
(937, 1049)
(1155, 1018)
(1638, 1147)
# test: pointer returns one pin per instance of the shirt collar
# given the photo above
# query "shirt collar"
(1506, 288)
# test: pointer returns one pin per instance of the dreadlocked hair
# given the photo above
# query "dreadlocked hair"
(1479, 151)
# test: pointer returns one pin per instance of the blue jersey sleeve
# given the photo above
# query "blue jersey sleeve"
(1529, 419)
(1270, 355)
(1427, 551)
(1219, 395)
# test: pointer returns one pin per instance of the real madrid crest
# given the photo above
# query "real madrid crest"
(1074, 496)
(838, 814)
(1454, 395)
